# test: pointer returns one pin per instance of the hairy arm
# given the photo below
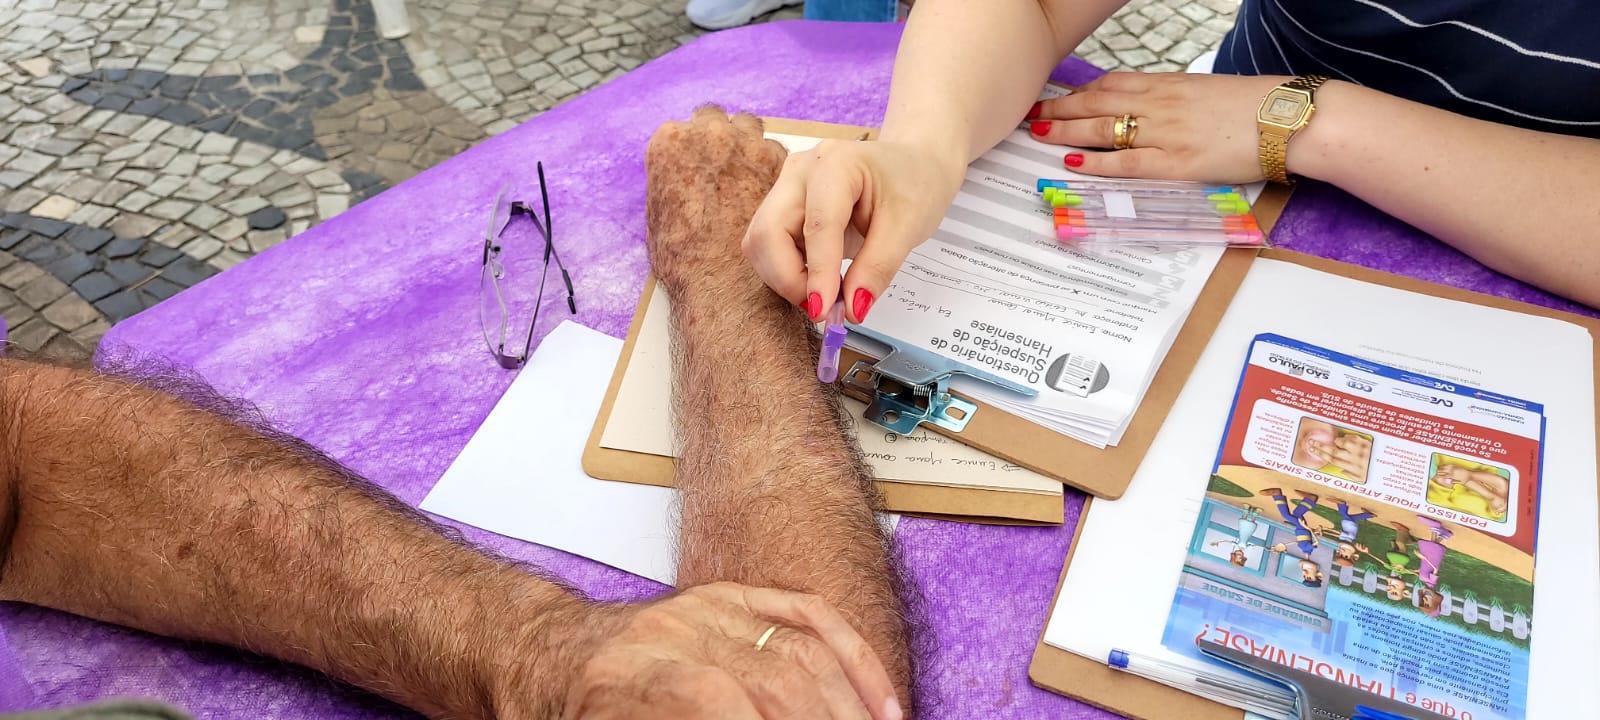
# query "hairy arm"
(1520, 201)
(135, 507)
(774, 493)
(966, 71)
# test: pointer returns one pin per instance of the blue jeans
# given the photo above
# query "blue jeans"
(851, 10)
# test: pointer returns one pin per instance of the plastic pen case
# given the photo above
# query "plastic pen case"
(1150, 213)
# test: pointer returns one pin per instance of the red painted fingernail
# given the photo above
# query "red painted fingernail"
(1039, 127)
(1034, 111)
(814, 307)
(863, 303)
(1074, 159)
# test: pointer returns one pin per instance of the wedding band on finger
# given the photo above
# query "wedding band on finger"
(1123, 131)
(762, 643)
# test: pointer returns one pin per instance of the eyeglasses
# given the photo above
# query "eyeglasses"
(499, 306)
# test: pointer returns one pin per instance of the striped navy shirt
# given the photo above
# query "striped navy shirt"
(1529, 64)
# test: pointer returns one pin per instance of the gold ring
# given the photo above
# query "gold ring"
(1123, 132)
(762, 643)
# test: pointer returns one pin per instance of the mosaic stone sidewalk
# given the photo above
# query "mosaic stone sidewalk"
(146, 145)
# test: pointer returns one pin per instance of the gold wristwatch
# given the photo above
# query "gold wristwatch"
(1284, 111)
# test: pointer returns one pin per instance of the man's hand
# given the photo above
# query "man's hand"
(705, 177)
(694, 654)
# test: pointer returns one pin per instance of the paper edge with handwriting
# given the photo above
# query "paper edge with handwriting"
(640, 422)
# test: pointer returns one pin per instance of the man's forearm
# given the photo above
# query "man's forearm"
(138, 508)
(774, 493)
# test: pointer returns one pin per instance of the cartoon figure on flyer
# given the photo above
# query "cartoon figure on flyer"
(1248, 522)
(1429, 601)
(1470, 487)
(1397, 560)
(1349, 525)
(1431, 552)
(1295, 517)
(1311, 574)
(1430, 555)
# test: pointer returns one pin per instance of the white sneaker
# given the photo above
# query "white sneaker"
(724, 14)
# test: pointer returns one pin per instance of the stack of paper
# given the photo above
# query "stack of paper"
(994, 289)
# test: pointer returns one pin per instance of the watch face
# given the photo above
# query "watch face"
(1283, 107)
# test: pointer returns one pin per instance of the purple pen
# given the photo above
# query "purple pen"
(832, 341)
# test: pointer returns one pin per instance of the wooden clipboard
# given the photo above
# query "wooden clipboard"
(944, 502)
(1096, 683)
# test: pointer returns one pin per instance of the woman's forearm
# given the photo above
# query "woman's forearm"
(1523, 202)
(966, 72)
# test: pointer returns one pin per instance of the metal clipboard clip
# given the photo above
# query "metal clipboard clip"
(1316, 697)
(911, 386)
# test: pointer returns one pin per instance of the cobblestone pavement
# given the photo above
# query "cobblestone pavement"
(146, 145)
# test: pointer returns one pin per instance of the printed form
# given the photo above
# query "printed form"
(993, 288)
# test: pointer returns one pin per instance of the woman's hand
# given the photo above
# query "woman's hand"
(1191, 126)
(871, 201)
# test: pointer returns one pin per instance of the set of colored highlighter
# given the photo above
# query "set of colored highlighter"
(1149, 213)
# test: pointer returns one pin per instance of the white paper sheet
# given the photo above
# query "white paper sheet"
(521, 475)
(1127, 562)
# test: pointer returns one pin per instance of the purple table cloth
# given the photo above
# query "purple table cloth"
(361, 335)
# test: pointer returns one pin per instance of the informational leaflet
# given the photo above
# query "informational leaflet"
(1372, 526)
(1085, 327)
(1128, 554)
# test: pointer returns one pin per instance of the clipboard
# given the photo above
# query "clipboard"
(1102, 473)
(1096, 683)
(966, 504)
(943, 502)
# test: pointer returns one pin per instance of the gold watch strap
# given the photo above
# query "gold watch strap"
(1308, 83)
(1274, 148)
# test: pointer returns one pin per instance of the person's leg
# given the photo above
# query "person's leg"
(1402, 537)
(773, 491)
(724, 14)
(852, 10)
(1282, 502)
